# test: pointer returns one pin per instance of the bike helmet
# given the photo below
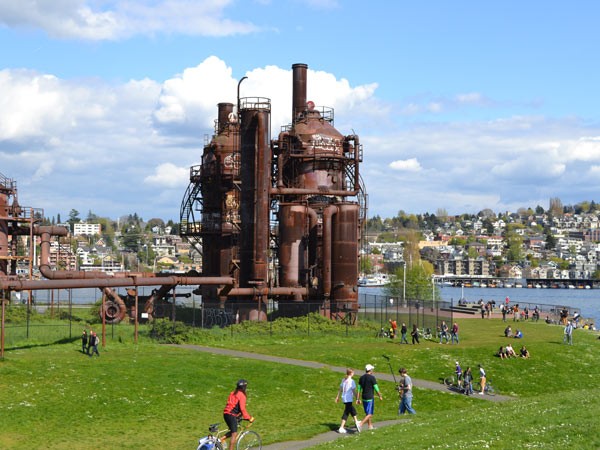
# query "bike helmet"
(241, 385)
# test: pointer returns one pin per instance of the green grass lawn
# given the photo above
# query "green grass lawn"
(150, 396)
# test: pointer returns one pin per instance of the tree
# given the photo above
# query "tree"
(418, 282)
(514, 242)
(556, 207)
(73, 218)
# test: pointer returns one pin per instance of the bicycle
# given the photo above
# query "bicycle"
(246, 440)
(454, 384)
(425, 333)
(383, 333)
(489, 389)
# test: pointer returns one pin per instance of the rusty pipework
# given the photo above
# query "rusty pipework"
(63, 279)
(115, 309)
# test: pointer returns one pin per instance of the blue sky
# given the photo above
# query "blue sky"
(462, 105)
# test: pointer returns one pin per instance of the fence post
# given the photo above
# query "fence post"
(308, 318)
(70, 313)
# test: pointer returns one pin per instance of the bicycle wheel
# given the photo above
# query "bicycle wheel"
(477, 387)
(489, 390)
(248, 440)
(449, 381)
(218, 445)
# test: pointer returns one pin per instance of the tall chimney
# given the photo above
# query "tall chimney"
(224, 110)
(299, 90)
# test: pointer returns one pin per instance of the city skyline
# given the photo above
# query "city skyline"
(458, 106)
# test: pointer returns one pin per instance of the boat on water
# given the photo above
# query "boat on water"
(374, 280)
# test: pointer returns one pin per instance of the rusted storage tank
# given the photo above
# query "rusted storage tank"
(256, 181)
(344, 257)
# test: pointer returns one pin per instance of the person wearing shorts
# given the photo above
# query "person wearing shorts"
(347, 392)
(235, 411)
(367, 387)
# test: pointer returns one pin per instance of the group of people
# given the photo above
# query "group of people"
(450, 335)
(414, 334)
(364, 392)
(465, 379)
(505, 352)
(89, 343)
(509, 333)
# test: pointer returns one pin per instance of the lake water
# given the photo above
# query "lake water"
(587, 301)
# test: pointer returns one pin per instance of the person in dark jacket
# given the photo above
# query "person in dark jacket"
(84, 342)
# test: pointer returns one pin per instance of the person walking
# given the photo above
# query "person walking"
(90, 341)
(84, 342)
(406, 393)
(482, 379)
(459, 375)
(403, 331)
(393, 328)
(415, 334)
(468, 382)
(568, 337)
(454, 333)
(367, 387)
(235, 411)
(93, 344)
(347, 392)
(444, 332)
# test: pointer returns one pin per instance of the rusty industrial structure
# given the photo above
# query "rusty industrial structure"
(273, 220)
(281, 217)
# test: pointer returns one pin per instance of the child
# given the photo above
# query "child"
(348, 392)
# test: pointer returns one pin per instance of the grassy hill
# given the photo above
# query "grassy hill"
(151, 396)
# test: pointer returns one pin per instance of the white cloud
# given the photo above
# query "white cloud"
(169, 175)
(110, 20)
(408, 165)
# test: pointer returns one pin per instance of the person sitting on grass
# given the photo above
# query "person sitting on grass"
(524, 352)
(501, 353)
(510, 351)
(508, 332)
(518, 334)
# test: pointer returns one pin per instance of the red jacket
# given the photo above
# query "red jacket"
(236, 405)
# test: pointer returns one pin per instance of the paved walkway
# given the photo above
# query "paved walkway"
(425, 384)
(330, 435)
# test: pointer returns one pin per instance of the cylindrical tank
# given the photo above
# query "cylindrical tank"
(292, 244)
(344, 257)
(256, 178)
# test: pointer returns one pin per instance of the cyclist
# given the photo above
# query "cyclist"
(235, 411)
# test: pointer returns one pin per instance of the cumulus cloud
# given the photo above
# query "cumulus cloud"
(111, 20)
(408, 165)
(168, 175)
(192, 96)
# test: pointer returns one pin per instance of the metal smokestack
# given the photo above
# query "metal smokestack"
(224, 110)
(299, 90)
